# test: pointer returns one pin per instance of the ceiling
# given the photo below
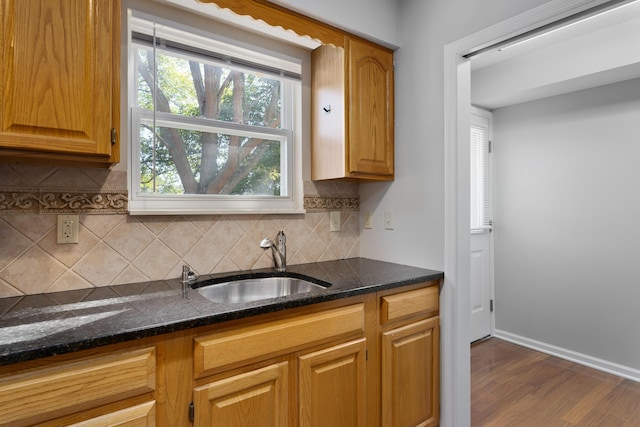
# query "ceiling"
(594, 52)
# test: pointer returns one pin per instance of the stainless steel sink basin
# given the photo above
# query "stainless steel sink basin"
(256, 289)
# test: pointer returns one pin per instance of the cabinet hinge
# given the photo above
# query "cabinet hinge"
(366, 355)
(114, 136)
(192, 414)
(491, 306)
(490, 146)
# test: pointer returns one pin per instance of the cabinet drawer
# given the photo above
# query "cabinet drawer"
(139, 416)
(70, 387)
(410, 303)
(234, 347)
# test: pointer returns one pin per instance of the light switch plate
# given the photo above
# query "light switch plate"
(388, 220)
(368, 220)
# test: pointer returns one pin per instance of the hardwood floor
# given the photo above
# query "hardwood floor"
(515, 386)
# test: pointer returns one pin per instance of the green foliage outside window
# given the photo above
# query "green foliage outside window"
(178, 159)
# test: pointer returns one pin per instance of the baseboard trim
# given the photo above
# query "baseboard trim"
(563, 353)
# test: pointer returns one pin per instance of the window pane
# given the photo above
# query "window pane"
(213, 123)
(194, 88)
(184, 161)
(479, 173)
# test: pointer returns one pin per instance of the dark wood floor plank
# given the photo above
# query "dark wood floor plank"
(512, 386)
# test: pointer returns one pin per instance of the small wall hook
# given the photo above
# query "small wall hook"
(327, 109)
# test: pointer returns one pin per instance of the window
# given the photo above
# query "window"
(480, 190)
(214, 125)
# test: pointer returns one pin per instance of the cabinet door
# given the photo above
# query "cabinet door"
(60, 81)
(257, 398)
(410, 375)
(332, 386)
(370, 80)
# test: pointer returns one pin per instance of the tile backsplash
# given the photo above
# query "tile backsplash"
(115, 248)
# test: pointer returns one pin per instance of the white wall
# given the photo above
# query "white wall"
(417, 195)
(376, 20)
(567, 237)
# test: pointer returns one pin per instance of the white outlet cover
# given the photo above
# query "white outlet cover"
(67, 231)
(334, 221)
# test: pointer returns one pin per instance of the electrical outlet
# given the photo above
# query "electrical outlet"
(334, 221)
(67, 229)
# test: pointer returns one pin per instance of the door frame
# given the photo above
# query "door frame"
(455, 298)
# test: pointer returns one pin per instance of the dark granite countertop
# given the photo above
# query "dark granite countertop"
(43, 325)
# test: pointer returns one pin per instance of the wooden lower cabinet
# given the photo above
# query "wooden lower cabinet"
(329, 386)
(368, 360)
(315, 373)
(255, 398)
(410, 375)
(87, 391)
(332, 386)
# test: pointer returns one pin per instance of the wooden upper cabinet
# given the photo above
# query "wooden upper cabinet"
(60, 73)
(352, 112)
(370, 109)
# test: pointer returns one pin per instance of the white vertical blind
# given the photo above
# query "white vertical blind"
(480, 192)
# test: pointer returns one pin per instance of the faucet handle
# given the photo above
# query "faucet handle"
(188, 275)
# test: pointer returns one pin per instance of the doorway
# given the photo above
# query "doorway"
(456, 293)
(481, 224)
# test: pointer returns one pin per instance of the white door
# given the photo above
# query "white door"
(481, 223)
(480, 286)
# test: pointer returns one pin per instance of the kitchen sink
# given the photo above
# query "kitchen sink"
(256, 289)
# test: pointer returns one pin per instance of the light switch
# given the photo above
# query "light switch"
(388, 220)
(368, 220)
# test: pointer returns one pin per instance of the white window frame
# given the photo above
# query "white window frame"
(291, 202)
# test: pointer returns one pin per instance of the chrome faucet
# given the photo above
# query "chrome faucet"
(278, 250)
(187, 277)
